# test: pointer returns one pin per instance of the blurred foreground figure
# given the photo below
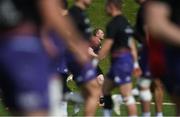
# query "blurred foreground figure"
(149, 79)
(163, 22)
(24, 68)
(84, 76)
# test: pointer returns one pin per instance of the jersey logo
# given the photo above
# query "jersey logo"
(129, 30)
(87, 21)
(9, 16)
(117, 79)
(89, 30)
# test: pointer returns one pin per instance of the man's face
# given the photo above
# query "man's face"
(108, 9)
(100, 34)
(87, 3)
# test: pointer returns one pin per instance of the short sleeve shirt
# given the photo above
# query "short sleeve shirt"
(120, 31)
(81, 21)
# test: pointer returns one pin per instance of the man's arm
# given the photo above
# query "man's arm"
(159, 24)
(132, 45)
(137, 70)
(92, 53)
(106, 47)
(63, 25)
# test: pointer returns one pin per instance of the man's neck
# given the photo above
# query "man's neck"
(80, 5)
(116, 13)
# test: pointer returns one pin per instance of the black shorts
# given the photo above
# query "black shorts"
(99, 71)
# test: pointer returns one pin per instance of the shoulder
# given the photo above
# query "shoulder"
(123, 20)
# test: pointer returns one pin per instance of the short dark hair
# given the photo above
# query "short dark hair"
(95, 31)
(116, 3)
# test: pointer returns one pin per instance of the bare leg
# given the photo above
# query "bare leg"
(159, 95)
(107, 88)
(145, 96)
(126, 90)
(91, 92)
(100, 80)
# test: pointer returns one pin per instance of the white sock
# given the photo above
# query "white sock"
(159, 114)
(55, 97)
(63, 108)
(107, 112)
(146, 114)
(117, 98)
(76, 108)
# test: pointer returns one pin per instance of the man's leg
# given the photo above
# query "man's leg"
(100, 80)
(91, 92)
(158, 95)
(145, 96)
(128, 98)
(107, 88)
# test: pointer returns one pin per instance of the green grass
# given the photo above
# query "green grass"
(99, 19)
(169, 111)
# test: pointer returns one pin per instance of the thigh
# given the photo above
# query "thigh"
(126, 89)
(24, 75)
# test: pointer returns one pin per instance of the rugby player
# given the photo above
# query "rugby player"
(98, 36)
(163, 22)
(144, 82)
(25, 81)
(123, 53)
(84, 75)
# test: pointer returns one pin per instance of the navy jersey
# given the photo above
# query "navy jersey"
(139, 27)
(81, 21)
(12, 12)
(120, 31)
(96, 49)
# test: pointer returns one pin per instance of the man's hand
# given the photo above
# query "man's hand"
(137, 72)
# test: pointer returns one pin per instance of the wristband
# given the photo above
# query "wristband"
(136, 64)
(95, 62)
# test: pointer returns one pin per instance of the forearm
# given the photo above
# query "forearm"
(64, 27)
(105, 49)
(61, 23)
(102, 54)
(133, 50)
(166, 31)
(92, 53)
(159, 24)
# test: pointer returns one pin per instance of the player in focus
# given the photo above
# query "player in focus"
(120, 44)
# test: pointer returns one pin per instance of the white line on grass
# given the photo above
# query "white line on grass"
(165, 103)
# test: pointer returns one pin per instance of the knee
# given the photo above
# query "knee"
(100, 79)
(144, 83)
(93, 88)
(129, 100)
(145, 95)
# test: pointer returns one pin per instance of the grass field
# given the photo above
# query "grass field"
(99, 19)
